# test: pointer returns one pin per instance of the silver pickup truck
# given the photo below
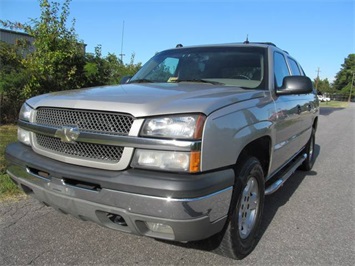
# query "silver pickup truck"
(184, 150)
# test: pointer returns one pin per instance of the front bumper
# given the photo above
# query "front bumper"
(193, 207)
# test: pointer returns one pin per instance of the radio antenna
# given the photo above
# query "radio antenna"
(122, 54)
(247, 40)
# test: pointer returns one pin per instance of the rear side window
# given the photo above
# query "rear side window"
(280, 68)
(294, 67)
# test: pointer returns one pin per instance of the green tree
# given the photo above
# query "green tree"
(58, 58)
(107, 70)
(344, 77)
(323, 86)
(129, 69)
(55, 61)
(13, 77)
(117, 69)
(96, 69)
(132, 68)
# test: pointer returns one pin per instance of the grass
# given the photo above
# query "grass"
(334, 104)
(8, 190)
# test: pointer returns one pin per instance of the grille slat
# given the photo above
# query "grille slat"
(90, 151)
(86, 121)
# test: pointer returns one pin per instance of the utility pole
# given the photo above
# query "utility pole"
(351, 88)
(317, 80)
(122, 54)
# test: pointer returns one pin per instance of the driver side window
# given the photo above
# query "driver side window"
(280, 68)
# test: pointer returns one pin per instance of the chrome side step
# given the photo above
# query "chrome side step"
(279, 182)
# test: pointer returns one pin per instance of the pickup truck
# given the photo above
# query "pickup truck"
(184, 150)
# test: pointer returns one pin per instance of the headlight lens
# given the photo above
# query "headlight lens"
(25, 112)
(176, 127)
(167, 160)
(183, 127)
(23, 136)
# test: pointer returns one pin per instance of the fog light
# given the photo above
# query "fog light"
(160, 228)
(23, 136)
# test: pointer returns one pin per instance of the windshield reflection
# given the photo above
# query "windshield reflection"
(227, 66)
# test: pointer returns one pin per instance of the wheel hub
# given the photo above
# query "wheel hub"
(249, 208)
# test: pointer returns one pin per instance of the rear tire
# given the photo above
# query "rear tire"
(309, 150)
(240, 235)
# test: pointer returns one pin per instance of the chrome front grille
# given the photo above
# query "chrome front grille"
(90, 151)
(86, 120)
(83, 153)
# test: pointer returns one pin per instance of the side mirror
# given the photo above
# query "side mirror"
(125, 79)
(295, 85)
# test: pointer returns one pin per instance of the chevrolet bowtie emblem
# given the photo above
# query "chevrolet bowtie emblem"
(67, 134)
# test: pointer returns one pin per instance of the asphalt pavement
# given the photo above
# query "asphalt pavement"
(309, 221)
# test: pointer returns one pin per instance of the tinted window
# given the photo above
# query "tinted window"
(294, 67)
(280, 68)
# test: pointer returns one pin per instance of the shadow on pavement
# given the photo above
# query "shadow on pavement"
(272, 203)
(278, 199)
(328, 110)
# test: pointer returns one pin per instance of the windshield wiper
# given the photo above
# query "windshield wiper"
(199, 81)
(141, 81)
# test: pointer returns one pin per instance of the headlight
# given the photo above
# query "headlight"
(183, 127)
(25, 115)
(25, 112)
(167, 160)
(176, 127)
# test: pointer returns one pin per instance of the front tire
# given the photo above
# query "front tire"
(309, 150)
(240, 235)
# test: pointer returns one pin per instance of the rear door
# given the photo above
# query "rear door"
(288, 121)
(307, 106)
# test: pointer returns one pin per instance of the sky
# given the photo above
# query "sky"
(317, 33)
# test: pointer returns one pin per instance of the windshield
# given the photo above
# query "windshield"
(230, 66)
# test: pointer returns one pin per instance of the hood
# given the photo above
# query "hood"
(141, 100)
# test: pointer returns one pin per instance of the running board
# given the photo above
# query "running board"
(279, 182)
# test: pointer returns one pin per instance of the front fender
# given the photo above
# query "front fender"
(228, 131)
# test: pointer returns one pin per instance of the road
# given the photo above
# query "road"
(309, 221)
